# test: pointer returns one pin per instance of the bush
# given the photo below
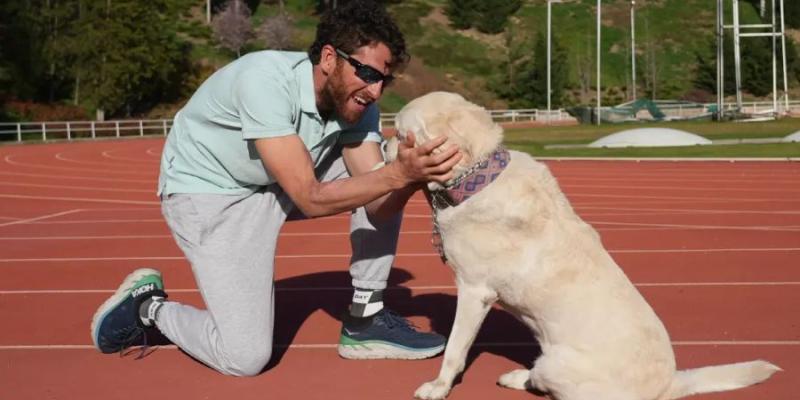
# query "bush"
(26, 110)
(488, 16)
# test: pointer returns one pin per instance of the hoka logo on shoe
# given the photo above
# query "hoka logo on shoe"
(143, 289)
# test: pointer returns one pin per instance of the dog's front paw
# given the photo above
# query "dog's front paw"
(433, 390)
(519, 379)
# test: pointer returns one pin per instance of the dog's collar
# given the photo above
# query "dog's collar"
(466, 185)
(472, 181)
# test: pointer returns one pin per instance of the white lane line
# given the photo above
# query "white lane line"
(634, 204)
(130, 237)
(697, 174)
(645, 251)
(119, 209)
(106, 237)
(81, 199)
(671, 198)
(348, 255)
(736, 343)
(58, 214)
(566, 180)
(101, 221)
(694, 227)
(698, 211)
(714, 189)
(88, 178)
(107, 154)
(99, 189)
(135, 220)
(642, 227)
(398, 288)
(585, 215)
(8, 159)
(62, 157)
(314, 346)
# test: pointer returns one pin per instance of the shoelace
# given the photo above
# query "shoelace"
(130, 335)
(392, 320)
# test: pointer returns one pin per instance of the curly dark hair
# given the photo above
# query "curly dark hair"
(359, 23)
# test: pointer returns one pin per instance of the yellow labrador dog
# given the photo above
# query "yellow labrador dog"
(517, 241)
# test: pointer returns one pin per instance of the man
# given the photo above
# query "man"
(271, 133)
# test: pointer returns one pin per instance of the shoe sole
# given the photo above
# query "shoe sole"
(382, 350)
(118, 297)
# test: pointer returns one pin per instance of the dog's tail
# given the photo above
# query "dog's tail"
(719, 378)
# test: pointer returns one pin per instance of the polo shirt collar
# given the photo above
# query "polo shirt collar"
(305, 76)
(308, 98)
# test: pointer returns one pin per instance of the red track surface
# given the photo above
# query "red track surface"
(714, 247)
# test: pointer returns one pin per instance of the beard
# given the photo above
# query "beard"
(336, 99)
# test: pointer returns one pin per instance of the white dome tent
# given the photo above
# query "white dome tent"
(793, 138)
(650, 137)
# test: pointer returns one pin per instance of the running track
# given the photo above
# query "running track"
(713, 246)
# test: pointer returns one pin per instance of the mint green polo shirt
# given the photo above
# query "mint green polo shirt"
(210, 147)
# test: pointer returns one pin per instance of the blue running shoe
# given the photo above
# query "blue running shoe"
(386, 335)
(117, 324)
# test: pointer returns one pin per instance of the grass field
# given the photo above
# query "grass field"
(534, 140)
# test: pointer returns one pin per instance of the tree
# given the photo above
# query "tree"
(584, 62)
(488, 16)
(325, 5)
(494, 14)
(792, 13)
(706, 68)
(756, 67)
(462, 13)
(276, 32)
(232, 26)
(144, 63)
(23, 57)
(531, 87)
(119, 56)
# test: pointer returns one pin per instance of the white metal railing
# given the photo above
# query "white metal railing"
(69, 130)
(753, 107)
(506, 116)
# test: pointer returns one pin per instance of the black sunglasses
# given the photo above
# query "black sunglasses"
(367, 74)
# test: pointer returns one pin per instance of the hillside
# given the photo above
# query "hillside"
(162, 62)
(670, 34)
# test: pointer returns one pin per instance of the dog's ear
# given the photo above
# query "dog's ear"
(470, 128)
(390, 149)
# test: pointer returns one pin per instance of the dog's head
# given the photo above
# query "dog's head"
(466, 125)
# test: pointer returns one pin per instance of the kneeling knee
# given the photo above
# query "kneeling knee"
(249, 363)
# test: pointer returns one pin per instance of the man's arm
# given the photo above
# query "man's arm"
(287, 160)
(361, 158)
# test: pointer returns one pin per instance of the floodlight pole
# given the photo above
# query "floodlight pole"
(774, 64)
(549, 38)
(737, 59)
(783, 50)
(720, 60)
(599, 12)
(633, 47)
(208, 11)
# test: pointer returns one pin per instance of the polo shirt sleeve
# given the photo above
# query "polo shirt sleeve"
(367, 129)
(266, 104)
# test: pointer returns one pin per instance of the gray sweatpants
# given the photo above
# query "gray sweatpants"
(230, 241)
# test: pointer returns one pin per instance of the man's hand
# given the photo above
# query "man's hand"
(424, 163)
